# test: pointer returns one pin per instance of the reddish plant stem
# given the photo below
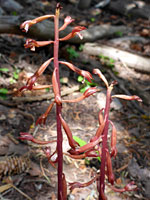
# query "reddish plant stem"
(104, 145)
(58, 110)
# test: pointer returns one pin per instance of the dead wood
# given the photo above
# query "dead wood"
(45, 96)
(131, 8)
(45, 30)
(134, 61)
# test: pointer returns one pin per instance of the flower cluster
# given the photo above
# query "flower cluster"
(98, 144)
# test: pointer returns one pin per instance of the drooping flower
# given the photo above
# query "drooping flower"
(43, 117)
(30, 43)
(67, 21)
(29, 137)
(110, 174)
(90, 91)
(75, 31)
(27, 24)
(83, 73)
(101, 76)
(126, 97)
(31, 81)
(71, 141)
(113, 140)
(56, 88)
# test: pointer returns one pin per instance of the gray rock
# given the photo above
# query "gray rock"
(101, 100)
(1, 11)
(10, 5)
(142, 174)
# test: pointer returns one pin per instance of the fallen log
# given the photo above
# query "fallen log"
(45, 30)
(130, 8)
(137, 62)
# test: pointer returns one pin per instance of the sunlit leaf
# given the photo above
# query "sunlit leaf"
(3, 91)
(79, 141)
(4, 69)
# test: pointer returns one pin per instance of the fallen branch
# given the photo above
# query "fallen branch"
(134, 61)
(40, 31)
(130, 8)
(45, 96)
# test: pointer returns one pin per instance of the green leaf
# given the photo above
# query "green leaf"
(72, 53)
(79, 141)
(81, 47)
(14, 13)
(119, 33)
(4, 69)
(80, 78)
(111, 60)
(47, 89)
(92, 19)
(12, 80)
(15, 75)
(101, 56)
(82, 90)
(82, 143)
(3, 91)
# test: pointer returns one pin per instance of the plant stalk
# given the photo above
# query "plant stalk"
(104, 145)
(58, 110)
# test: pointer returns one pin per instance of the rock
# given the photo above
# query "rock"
(142, 174)
(10, 5)
(1, 11)
(101, 99)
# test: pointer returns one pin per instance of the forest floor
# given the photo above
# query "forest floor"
(19, 114)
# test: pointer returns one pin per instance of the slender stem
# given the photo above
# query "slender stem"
(58, 109)
(104, 145)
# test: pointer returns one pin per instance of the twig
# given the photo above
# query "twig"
(45, 96)
(25, 195)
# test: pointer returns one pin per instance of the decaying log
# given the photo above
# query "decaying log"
(137, 62)
(131, 8)
(45, 30)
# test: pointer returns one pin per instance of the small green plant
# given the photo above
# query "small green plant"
(79, 141)
(14, 13)
(119, 33)
(85, 84)
(15, 76)
(109, 62)
(72, 53)
(81, 47)
(3, 93)
(92, 19)
(4, 70)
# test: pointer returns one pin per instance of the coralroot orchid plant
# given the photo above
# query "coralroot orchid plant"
(98, 144)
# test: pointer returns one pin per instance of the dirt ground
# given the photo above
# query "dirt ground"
(19, 114)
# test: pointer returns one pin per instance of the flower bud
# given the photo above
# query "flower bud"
(27, 24)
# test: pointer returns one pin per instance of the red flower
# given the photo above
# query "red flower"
(75, 31)
(33, 43)
(101, 76)
(126, 97)
(29, 137)
(43, 117)
(27, 24)
(83, 73)
(67, 21)
(87, 93)
(32, 79)
(56, 88)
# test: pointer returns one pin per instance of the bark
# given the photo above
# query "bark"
(45, 30)
(137, 62)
